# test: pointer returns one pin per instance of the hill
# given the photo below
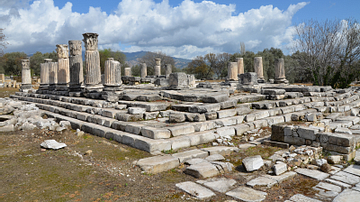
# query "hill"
(131, 59)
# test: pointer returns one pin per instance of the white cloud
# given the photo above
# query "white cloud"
(187, 30)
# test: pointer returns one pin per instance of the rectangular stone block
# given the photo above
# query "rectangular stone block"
(226, 113)
(157, 164)
(241, 128)
(181, 130)
(187, 155)
(204, 108)
(119, 125)
(155, 133)
(134, 128)
(224, 131)
(307, 133)
(151, 146)
(180, 142)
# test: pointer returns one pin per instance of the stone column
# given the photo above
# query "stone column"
(76, 67)
(44, 75)
(168, 69)
(2, 78)
(112, 80)
(112, 74)
(53, 72)
(240, 63)
(63, 68)
(232, 71)
(127, 71)
(280, 71)
(258, 67)
(143, 70)
(25, 75)
(157, 68)
(92, 63)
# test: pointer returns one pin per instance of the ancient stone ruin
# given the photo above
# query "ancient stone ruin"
(158, 113)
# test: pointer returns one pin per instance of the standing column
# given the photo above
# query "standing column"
(53, 72)
(258, 67)
(92, 64)
(143, 70)
(232, 71)
(76, 67)
(168, 69)
(127, 71)
(25, 75)
(280, 71)
(112, 75)
(240, 63)
(157, 68)
(44, 75)
(63, 68)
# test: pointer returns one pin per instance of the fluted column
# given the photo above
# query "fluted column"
(63, 67)
(44, 75)
(280, 71)
(157, 68)
(76, 66)
(232, 71)
(143, 70)
(127, 71)
(168, 69)
(53, 72)
(112, 74)
(25, 75)
(258, 67)
(240, 64)
(92, 65)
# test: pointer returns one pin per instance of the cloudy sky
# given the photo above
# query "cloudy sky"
(180, 28)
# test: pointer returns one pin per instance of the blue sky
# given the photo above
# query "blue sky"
(185, 28)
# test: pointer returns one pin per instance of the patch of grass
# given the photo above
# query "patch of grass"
(171, 151)
(6, 92)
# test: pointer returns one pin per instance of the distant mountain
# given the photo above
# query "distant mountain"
(131, 59)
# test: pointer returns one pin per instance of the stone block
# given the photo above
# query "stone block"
(150, 145)
(294, 140)
(347, 195)
(215, 98)
(318, 175)
(203, 126)
(277, 132)
(181, 130)
(157, 164)
(247, 194)
(210, 115)
(280, 168)
(228, 104)
(136, 110)
(129, 117)
(155, 133)
(195, 117)
(223, 150)
(341, 139)
(195, 190)
(225, 131)
(226, 113)
(180, 142)
(119, 125)
(253, 163)
(204, 108)
(175, 117)
(262, 182)
(202, 170)
(307, 133)
(187, 155)
(221, 185)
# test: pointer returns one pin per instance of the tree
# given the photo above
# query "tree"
(11, 62)
(38, 58)
(199, 68)
(108, 53)
(331, 48)
(149, 59)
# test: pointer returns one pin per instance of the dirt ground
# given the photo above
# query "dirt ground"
(30, 173)
(91, 168)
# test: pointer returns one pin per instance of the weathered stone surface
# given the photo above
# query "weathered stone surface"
(180, 142)
(341, 184)
(195, 190)
(346, 177)
(262, 181)
(157, 164)
(327, 190)
(302, 198)
(280, 168)
(204, 108)
(218, 184)
(187, 155)
(248, 78)
(202, 170)
(253, 163)
(215, 157)
(195, 117)
(318, 175)
(175, 117)
(181, 130)
(155, 133)
(282, 177)
(353, 169)
(136, 110)
(347, 195)
(247, 194)
(224, 131)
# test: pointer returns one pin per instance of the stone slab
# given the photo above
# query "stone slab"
(346, 177)
(253, 163)
(218, 184)
(302, 198)
(247, 194)
(202, 170)
(353, 169)
(262, 182)
(195, 190)
(341, 184)
(157, 164)
(223, 150)
(282, 177)
(348, 195)
(327, 190)
(187, 155)
(318, 175)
